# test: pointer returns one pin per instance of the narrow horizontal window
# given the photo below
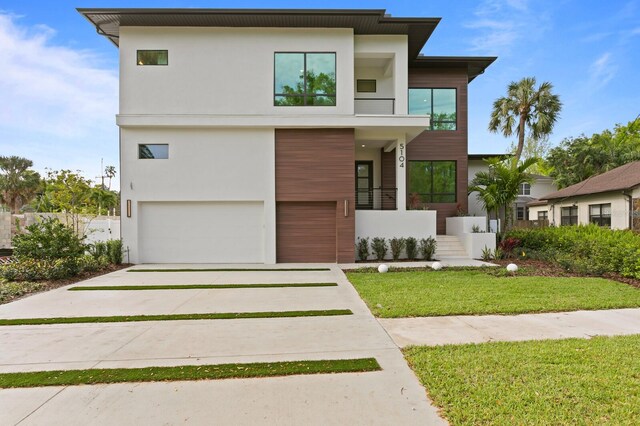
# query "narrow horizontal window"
(152, 57)
(366, 86)
(153, 151)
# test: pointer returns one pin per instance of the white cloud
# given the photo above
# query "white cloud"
(52, 89)
(602, 70)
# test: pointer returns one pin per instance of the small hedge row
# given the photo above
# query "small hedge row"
(57, 269)
(587, 249)
(425, 248)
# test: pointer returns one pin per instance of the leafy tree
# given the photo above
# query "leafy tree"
(525, 108)
(110, 172)
(101, 200)
(18, 183)
(498, 187)
(67, 192)
(577, 159)
(535, 148)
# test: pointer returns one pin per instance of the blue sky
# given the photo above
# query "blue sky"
(58, 78)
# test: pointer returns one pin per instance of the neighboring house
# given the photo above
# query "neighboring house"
(283, 135)
(611, 199)
(528, 193)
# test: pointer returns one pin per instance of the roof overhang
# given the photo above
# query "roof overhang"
(475, 65)
(363, 21)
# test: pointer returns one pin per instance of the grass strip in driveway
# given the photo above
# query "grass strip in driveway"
(474, 292)
(185, 372)
(232, 270)
(175, 317)
(550, 382)
(197, 286)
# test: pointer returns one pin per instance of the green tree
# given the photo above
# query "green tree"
(498, 187)
(535, 148)
(525, 108)
(579, 158)
(110, 172)
(68, 192)
(101, 200)
(18, 183)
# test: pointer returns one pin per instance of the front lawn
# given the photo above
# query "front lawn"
(574, 381)
(475, 292)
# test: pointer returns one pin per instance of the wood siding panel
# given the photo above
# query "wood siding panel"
(444, 144)
(305, 232)
(388, 171)
(317, 165)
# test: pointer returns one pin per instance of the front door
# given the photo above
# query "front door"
(364, 185)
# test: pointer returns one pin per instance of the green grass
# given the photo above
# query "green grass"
(551, 382)
(231, 270)
(186, 372)
(196, 286)
(473, 292)
(176, 317)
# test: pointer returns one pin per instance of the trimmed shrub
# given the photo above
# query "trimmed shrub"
(115, 251)
(379, 247)
(38, 270)
(508, 245)
(362, 248)
(48, 239)
(428, 248)
(397, 245)
(411, 246)
(98, 249)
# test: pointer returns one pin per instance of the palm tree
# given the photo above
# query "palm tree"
(498, 187)
(535, 109)
(18, 183)
(110, 172)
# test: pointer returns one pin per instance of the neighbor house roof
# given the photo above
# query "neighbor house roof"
(485, 156)
(619, 179)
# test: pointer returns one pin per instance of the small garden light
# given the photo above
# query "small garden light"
(383, 268)
(512, 267)
(436, 266)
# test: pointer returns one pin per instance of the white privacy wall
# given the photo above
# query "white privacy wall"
(204, 165)
(395, 223)
(227, 71)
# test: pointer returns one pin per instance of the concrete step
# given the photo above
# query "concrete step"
(449, 246)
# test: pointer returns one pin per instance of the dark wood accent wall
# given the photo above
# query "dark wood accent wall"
(317, 165)
(304, 225)
(444, 144)
(388, 170)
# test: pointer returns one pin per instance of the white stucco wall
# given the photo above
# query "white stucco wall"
(390, 224)
(619, 208)
(475, 207)
(204, 165)
(226, 71)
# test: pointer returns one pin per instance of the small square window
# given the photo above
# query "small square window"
(152, 57)
(366, 86)
(153, 151)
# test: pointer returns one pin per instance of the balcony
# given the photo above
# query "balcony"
(376, 199)
(375, 106)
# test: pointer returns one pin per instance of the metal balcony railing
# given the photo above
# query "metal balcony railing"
(378, 106)
(376, 199)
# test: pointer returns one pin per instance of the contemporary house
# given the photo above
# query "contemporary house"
(529, 192)
(282, 135)
(611, 199)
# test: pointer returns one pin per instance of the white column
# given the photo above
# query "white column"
(401, 173)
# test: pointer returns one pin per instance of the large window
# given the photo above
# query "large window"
(600, 214)
(153, 151)
(432, 181)
(305, 79)
(569, 216)
(152, 57)
(439, 104)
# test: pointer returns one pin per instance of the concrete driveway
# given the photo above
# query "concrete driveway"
(390, 396)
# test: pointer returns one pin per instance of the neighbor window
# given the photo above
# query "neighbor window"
(433, 181)
(544, 215)
(439, 104)
(366, 86)
(525, 189)
(305, 79)
(520, 213)
(569, 216)
(152, 57)
(153, 151)
(600, 214)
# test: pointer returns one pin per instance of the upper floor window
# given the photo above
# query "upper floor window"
(305, 79)
(525, 189)
(153, 151)
(365, 86)
(152, 57)
(432, 182)
(439, 104)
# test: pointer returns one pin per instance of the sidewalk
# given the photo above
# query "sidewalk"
(433, 331)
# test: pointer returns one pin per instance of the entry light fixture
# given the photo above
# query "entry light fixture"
(128, 208)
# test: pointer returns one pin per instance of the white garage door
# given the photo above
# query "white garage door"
(201, 232)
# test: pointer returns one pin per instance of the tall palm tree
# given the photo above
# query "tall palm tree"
(18, 183)
(498, 187)
(525, 107)
(110, 172)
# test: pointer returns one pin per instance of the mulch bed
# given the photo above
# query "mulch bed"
(50, 285)
(546, 269)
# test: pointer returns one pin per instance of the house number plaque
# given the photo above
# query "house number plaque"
(401, 157)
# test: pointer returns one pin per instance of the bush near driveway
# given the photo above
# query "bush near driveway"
(550, 382)
(590, 249)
